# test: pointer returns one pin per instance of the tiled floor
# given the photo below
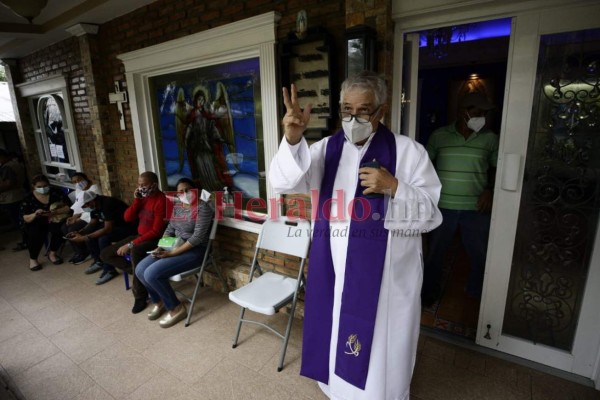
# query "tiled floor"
(62, 337)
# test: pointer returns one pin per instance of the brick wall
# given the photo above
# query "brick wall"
(169, 19)
(166, 20)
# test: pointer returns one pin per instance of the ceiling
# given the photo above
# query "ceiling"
(19, 38)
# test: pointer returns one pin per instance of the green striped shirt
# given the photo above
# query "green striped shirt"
(462, 165)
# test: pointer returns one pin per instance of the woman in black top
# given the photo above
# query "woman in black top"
(40, 211)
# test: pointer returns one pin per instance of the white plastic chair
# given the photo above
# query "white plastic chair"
(271, 291)
(197, 272)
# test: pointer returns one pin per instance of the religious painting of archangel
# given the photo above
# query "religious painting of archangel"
(209, 127)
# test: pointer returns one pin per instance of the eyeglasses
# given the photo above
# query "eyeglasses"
(360, 118)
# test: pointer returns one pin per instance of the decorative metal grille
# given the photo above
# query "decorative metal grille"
(560, 202)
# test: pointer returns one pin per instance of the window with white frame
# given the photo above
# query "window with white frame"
(53, 128)
(151, 72)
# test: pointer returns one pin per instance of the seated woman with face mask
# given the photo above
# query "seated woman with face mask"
(41, 211)
(190, 223)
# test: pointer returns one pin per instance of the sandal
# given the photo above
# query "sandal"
(36, 267)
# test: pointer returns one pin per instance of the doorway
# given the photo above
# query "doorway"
(540, 298)
(455, 60)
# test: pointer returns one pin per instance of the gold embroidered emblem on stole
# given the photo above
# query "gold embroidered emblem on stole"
(353, 345)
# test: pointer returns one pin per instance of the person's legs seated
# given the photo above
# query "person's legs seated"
(80, 250)
(140, 269)
(140, 293)
(111, 261)
(440, 240)
(157, 274)
(94, 247)
(36, 233)
(56, 241)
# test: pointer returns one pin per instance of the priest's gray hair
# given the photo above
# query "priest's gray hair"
(366, 81)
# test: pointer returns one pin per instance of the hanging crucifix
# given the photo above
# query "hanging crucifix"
(119, 97)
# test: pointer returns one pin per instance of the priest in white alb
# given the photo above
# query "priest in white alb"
(378, 192)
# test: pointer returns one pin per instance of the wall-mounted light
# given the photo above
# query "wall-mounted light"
(27, 9)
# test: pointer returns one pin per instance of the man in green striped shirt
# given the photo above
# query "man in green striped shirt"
(465, 155)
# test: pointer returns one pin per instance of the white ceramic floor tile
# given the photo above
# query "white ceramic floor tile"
(94, 392)
(13, 323)
(163, 386)
(4, 305)
(56, 378)
(55, 318)
(186, 360)
(15, 286)
(119, 370)
(53, 278)
(25, 350)
(30, 303)
(137, 331)
(231, 381)
(290, 375)
(104, 310)
(82, 340)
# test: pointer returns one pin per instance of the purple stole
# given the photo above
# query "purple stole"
(367, 246)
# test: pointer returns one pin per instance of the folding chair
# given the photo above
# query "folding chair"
(197, 272)
(271, 291)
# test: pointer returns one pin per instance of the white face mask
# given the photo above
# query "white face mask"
(183, 197)
(476, 123)
(43, 190)
(81, 185)
(356, 132)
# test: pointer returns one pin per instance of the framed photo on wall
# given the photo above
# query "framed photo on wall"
(307, 64)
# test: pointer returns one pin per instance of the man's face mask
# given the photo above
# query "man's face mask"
(145, 191)
(355, 131)
(475, 123)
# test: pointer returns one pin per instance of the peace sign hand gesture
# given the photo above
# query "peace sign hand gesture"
(295, 119)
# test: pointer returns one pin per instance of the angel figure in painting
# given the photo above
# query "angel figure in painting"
(204, 144)
(221, 112)
(181, 110)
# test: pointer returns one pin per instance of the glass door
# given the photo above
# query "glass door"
(410, 85)
(543, 268)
